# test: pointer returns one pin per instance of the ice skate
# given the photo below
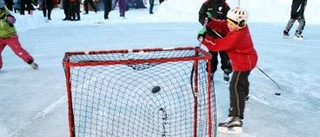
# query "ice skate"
(297, 36)
(285, 34)
(233, 125)
(226, 77)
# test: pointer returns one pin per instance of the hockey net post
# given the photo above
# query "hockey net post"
(140, 92)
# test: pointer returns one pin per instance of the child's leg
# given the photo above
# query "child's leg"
(239, 87)
(14, 44)
(1, 49)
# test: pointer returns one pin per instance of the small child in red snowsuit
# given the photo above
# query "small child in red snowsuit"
(8, 36)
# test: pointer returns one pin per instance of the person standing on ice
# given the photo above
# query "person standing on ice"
(238, 44)
(47, 7)
(297, 13)
(8, 36)
(216, 9)
(151, 5)
(107, 5)
(122, 8)
(86, 6)
(75, 10)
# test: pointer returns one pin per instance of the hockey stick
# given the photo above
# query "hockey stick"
(278, 93)
(199, 45)
(194, 80)
(203, 27)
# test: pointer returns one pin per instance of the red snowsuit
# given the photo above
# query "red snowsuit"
(239, 47)
(15, 45)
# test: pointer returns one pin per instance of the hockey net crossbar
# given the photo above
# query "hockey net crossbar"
(140, 92)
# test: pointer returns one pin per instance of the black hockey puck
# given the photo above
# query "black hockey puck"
(277, 93)
(155, 89)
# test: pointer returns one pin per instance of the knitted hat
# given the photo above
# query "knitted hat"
(2, 4)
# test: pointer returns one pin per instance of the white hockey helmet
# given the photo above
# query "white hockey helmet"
(238, 16)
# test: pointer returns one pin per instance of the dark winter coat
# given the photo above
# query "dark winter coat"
(297, 8)
(238, 45)
(47, 4)
(218, 9)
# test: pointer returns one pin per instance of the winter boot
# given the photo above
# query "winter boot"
(34, 65)
(285, 33)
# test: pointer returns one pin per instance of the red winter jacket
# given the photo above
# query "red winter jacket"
(238, 45)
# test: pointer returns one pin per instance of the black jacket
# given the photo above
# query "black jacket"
(218, 9)
(297, 8)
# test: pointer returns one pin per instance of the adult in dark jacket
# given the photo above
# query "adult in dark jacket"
(26, 5)
(47, 5)
(216, 9)
(122, 8)
(297, 13)
(66, 9)
(85, 5)
(75, 10)
(9, 4)
(107, 4)
(138, 4)
(151, 4)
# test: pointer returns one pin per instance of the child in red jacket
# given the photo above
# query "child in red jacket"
(8, 36)
(238, 44)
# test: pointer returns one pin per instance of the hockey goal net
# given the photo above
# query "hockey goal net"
(140, 93)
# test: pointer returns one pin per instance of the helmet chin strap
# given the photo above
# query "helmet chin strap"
(240, 24)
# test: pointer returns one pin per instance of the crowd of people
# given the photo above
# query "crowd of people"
(8, 33)
(72, 8)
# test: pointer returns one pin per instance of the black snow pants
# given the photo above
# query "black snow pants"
(239, 89)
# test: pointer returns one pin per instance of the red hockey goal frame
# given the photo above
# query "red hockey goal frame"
(80, 59)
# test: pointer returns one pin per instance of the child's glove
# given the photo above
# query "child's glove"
(209, 15)
(201, 34)
(11, 20)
